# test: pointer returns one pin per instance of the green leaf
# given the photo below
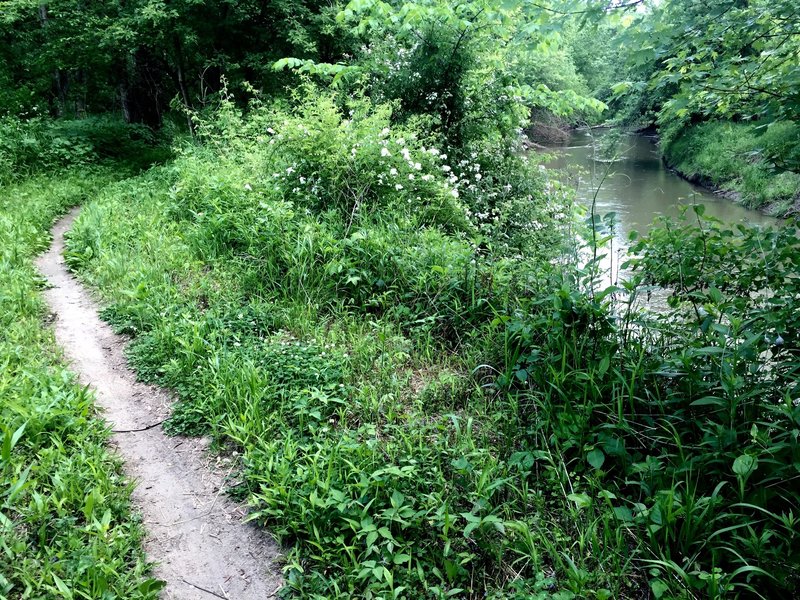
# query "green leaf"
(603, 366)
(596, 458)
(62, 587)
(623, 513)
(744, 465)
(10, 442)
(659, 588)
(581, 500)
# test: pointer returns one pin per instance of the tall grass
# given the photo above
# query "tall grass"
(760, 163)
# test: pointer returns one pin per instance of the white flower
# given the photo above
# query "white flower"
(290, 170)
(302, 179)
(398, 186)
(393, 171)
(454, 193)
(411, 176)
(406, 154)
(478, 176)
(427, 177)
(385, 152)
(417, 167)
(401, 141)
(270, 130)
(385, 131)
(248, 187)
(446, 168)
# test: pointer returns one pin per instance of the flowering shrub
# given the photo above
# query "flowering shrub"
(350, 208)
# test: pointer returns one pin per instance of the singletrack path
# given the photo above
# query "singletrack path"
(194, 532)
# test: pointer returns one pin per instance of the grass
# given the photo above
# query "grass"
(422, 404)
(66, 525)
(760, 164)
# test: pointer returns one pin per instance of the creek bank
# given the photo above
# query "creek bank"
(707, 184)
(755, 167)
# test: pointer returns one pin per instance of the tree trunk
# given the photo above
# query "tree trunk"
(58, 87)
(182, 84)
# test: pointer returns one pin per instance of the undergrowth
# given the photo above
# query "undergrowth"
(760, 163)
(42, 145)
(66, 527)
(427, 402)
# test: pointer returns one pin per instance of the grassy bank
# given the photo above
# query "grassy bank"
(66, 527)
(759, 165)
(425, 403)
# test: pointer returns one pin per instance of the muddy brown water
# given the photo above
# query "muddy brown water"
(637, 187)
(195, 534)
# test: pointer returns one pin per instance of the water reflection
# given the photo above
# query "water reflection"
(637, 187)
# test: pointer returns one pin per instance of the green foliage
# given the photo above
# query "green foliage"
(312, 289)
(472, 68)
(758, 163)
(70, 59)
(42, 145)
(66, 528)
(681, 421)
(363, 293)
(733, 61)
(420, 404)
(737, 59)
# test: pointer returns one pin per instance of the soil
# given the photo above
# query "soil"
(195, 533)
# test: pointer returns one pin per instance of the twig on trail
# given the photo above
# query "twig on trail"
(202, 589)
(210, 510)
(156, 424)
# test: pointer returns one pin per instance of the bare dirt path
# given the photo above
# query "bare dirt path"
(194, 532)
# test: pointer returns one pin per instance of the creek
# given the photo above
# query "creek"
(636, 187)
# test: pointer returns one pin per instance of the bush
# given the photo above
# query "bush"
(679, 421)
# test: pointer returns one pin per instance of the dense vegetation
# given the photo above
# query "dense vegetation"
(757, 163)
(355, 281)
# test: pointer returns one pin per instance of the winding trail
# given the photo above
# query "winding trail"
(194, 532)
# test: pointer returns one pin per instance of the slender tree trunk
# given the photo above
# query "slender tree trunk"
(57, 75)
(125, 102)
(182, 83)
(80, 97)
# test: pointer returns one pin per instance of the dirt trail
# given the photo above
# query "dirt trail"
(194, 531)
